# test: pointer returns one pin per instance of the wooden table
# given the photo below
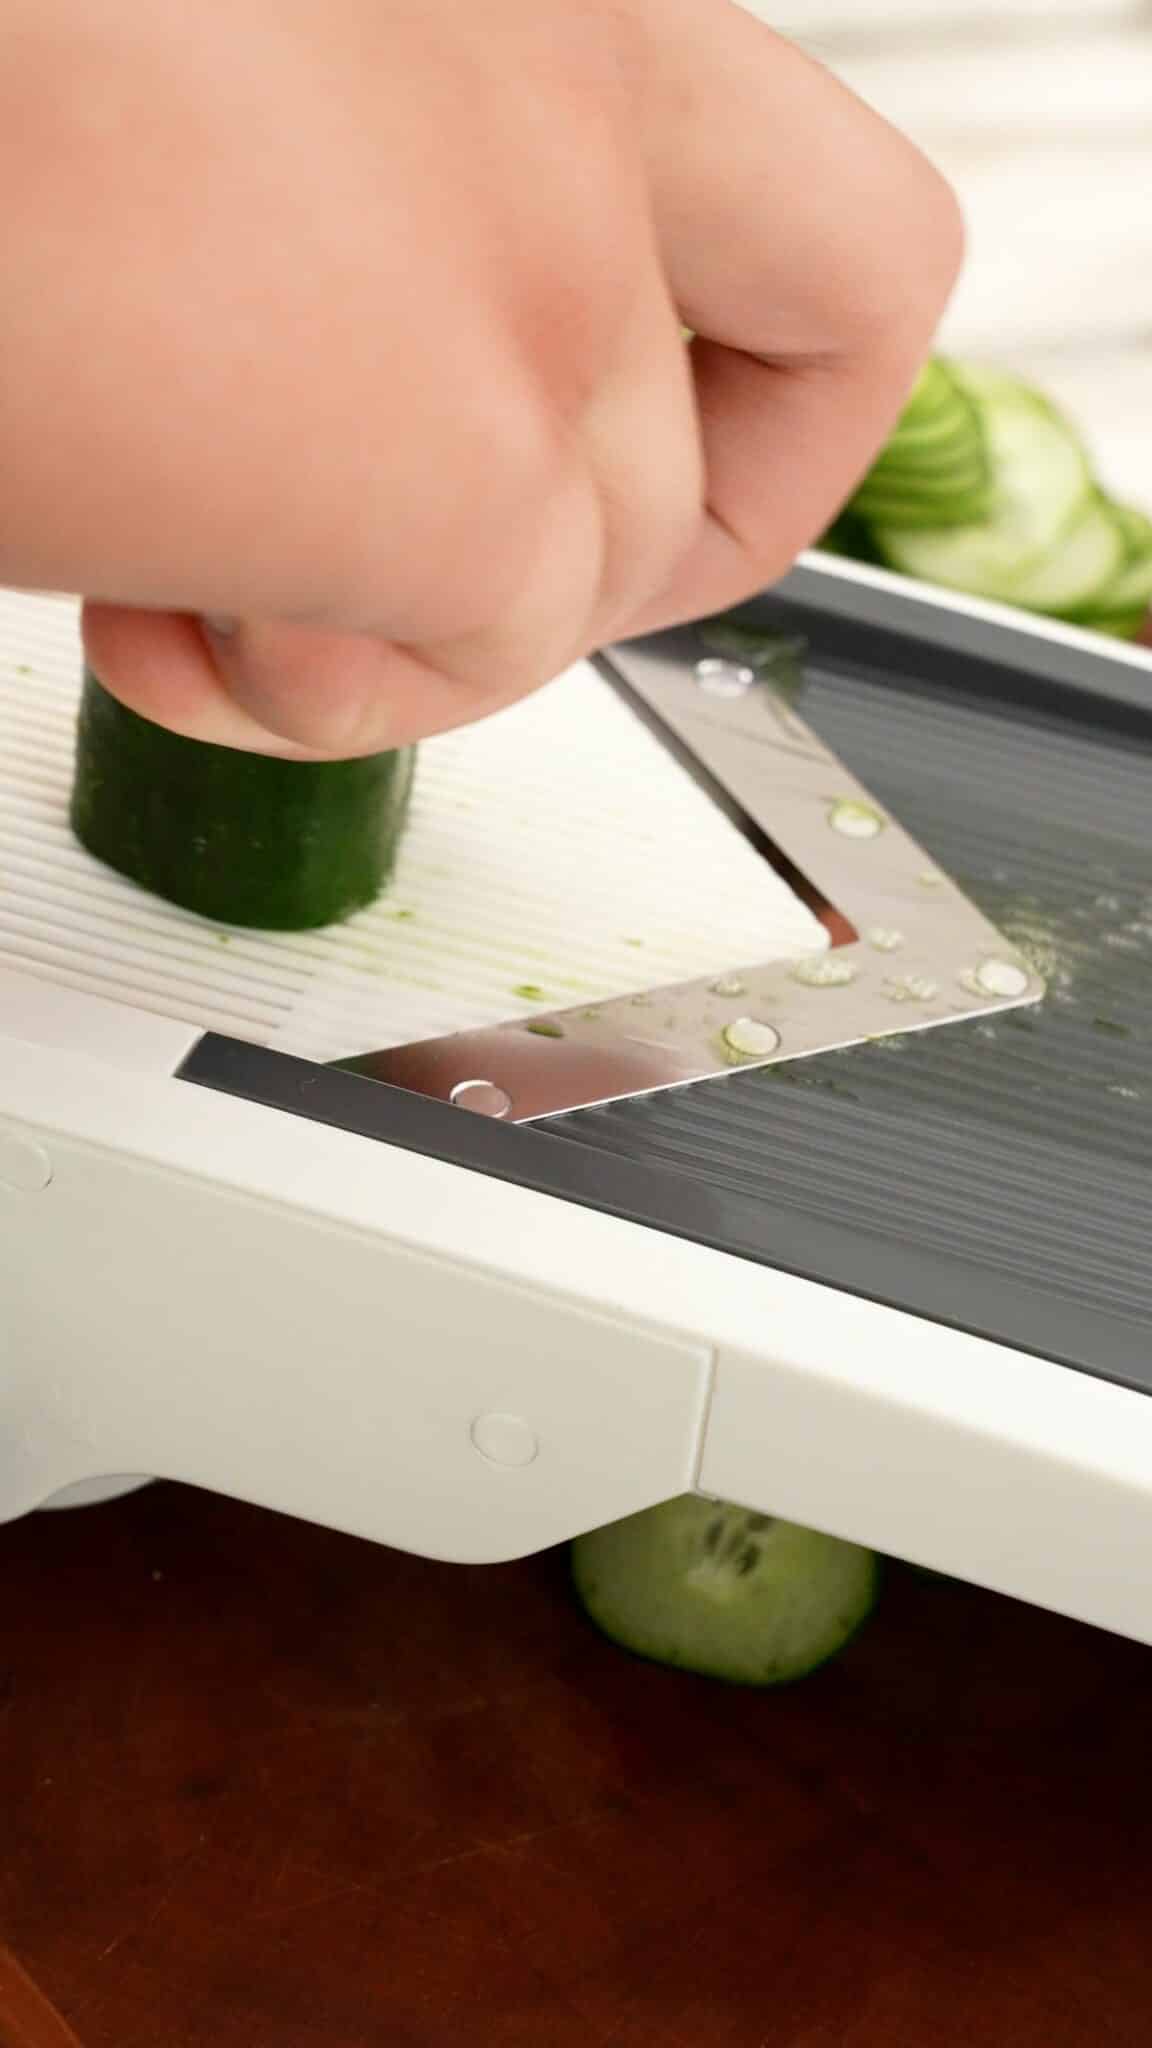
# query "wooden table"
(267, 1787)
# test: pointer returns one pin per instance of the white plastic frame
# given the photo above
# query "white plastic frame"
(203, 1289)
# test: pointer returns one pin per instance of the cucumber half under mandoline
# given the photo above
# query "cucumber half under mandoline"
(239, 838)
(716, 1589)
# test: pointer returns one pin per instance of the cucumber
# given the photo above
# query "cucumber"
(239, 838)
(850, 536)
(1131, 587)
(985, 487)
(715, 1589)
(935, 468)
(1044, 489)
(1114, 625)
(1083, 563)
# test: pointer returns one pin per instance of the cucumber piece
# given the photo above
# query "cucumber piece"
(935, 468)
(1131, 588)
(1043, 487)
(1114, 625)
(239, 838)
(967, 503)
(849, 536)
(1121, 606)
(1083, 563)
(715, 1589)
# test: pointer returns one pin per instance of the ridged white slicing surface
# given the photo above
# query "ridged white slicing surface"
(555, 854)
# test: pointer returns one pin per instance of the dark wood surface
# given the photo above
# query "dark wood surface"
(267, 1787)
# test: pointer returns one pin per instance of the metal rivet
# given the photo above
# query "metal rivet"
(25, 1167)
(725, 678)
(484, 1098)
(505, 1439)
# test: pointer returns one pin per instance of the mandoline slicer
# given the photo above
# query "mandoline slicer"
(746, 1086)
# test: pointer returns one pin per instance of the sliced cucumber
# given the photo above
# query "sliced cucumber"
(957, 495)
(239, 838)
(1043, 488)
(851, 537)
(1114, 625)
(716, 1589)
(1082, 565)
(935, 467)
(1132, 586)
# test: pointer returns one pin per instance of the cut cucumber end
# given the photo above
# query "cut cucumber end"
(238, 838)
(719, 1590)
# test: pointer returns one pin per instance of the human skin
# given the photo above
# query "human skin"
(356, 325)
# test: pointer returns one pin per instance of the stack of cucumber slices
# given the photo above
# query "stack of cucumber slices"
(985, 487)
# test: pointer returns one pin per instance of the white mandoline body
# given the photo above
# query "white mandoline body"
(204, 1289)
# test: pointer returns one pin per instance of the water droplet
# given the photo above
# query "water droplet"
(729, 985)
(911, 988)
(855, 820)
(997, 978)
(885, 938)
(751, 1039)
(725, 678)
(824, 971)
(750, 644)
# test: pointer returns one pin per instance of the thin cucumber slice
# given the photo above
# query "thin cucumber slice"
(935, 467)
(850, 536)
(236, 837)
(967, 503)
(1121, 607)
(718, 1590)
(1083, 563)
(1132, 585)
(1114, 625)
(1043, 486)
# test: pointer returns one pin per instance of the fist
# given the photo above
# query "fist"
(357, 328)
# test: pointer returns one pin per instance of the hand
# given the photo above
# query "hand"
(359, 322)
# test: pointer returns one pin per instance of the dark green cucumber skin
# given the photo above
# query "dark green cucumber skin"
(238, 838)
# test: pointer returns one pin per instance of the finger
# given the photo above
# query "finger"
(310, 693)
(160, 665)
(641, 439)
(813, 249)
(305, 694)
